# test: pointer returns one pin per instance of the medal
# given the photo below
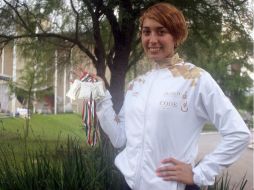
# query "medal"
(88, 89)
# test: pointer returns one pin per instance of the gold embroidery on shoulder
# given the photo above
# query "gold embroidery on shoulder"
(169, 62)
(138, 79)
(187, 72)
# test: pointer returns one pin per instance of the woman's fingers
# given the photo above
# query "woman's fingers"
(175, 170)
(171, 160)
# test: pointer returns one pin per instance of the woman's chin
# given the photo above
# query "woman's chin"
(155, 58)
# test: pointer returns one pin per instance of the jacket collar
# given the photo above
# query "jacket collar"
(168, 62)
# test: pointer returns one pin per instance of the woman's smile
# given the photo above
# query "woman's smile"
(154, 49)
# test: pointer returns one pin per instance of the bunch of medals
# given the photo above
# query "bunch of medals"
(88, 89)
(89, 118)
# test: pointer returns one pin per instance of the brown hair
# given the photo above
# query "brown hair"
(170, 17)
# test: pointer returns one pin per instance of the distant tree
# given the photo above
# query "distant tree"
(220, 43)
(36, 76)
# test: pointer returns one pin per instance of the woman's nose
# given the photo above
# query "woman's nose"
(153, 38)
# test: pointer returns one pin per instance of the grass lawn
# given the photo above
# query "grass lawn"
(54, 155)
(47, 128)
(44, 131)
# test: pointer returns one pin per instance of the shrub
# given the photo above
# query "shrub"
(70, 167)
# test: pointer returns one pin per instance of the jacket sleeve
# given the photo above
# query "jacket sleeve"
(212, 105)
(111, 123)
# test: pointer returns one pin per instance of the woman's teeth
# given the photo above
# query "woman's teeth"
(154, 49)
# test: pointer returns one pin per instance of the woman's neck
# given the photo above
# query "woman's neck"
(170, 61)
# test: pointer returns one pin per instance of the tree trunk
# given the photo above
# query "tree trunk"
(117, 81)
(101, 72)
(27, 119)
(117, 84)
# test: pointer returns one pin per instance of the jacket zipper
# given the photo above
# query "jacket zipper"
(138, 174)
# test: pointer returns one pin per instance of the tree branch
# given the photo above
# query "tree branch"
(19, 16)
(232, 5)
(48, 35)
(34, 16)
(112, 20)
(127, 29)
(77, 19)
(99, 48)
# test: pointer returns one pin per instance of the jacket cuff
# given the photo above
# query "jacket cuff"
(197, 177)
(106, 97)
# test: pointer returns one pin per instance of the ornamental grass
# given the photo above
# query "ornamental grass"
(70, 167)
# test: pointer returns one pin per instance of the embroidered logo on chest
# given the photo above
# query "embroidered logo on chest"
(174, 100)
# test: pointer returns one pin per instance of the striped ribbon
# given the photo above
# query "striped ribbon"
(89, 118)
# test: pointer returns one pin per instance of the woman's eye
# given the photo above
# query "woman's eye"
(161, 32)
(146, 32)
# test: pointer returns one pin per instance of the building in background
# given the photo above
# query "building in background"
(10, 65)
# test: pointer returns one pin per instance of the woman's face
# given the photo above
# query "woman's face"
(157, 42)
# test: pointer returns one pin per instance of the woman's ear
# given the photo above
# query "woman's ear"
(175, 44)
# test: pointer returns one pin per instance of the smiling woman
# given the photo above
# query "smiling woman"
(164, 112)
(169, 22)
(156, 40)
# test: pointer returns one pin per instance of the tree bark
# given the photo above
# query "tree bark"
(118, 73)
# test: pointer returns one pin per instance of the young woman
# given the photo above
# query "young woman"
(164, 112)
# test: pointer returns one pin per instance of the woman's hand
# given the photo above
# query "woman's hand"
(175, 170)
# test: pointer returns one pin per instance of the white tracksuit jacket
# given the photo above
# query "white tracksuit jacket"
(162, 116)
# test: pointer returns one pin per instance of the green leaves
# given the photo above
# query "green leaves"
(69, 167)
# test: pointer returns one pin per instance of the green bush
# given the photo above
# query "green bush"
(70, 167)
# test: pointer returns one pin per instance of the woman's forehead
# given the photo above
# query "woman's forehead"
(148, 23)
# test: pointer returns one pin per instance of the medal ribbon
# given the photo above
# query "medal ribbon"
(89, 118)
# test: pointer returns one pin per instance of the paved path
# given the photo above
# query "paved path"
(244, 165)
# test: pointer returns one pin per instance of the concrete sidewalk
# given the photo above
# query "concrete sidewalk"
(244, 165)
